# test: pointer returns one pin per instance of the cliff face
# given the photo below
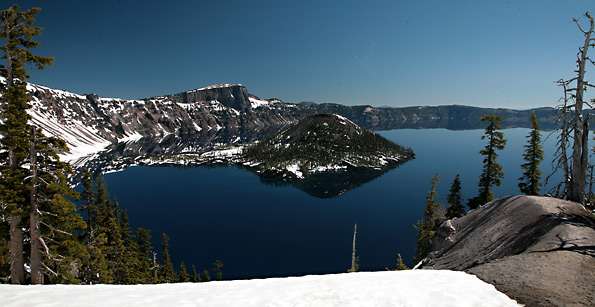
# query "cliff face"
(229, 95)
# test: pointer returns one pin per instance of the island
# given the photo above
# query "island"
(320, 144)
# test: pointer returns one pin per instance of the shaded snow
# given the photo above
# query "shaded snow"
(401, 288)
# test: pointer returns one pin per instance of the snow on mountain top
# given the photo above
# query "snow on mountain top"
(401, 288)
(214, 86)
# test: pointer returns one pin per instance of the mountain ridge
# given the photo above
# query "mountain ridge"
(88, 122)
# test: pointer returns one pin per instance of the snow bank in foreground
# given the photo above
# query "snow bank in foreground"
(402, 288)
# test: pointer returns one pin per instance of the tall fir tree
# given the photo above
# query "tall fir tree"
(492, 171)
(17, 31)
(530, 181)
(426, 226)
(144, 254)
(54, 220)
(455, 200)
(167, 273)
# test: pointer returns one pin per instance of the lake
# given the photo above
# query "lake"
(260, 230)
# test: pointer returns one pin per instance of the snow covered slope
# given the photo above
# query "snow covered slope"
(88, 123)
(401, 288)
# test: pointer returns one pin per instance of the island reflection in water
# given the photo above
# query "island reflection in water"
(118, 157)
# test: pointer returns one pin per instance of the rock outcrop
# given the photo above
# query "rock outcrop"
(540, 251)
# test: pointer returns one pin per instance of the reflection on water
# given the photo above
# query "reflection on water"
(332, 184)
(119, 156)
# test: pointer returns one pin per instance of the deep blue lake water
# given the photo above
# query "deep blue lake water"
(259, 230)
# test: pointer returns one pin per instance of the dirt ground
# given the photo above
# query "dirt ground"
(539, 251)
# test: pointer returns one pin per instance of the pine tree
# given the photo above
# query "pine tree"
(206, 276)
(54, 222)
(218, 271)
(183, 276)
(166, 273)
(195, 275)
(17, 32)
(530, 182)
(454, 199)
(426, 226)
(101, 270)
(400, 264)
(144, 254)
(492, 171)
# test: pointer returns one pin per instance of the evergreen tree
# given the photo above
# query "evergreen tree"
(17, 32)
(206, 276)
(195, 275)
(492, 171)
(133, 269)
(400, 264)
(218, 271)
(54, 222)
(100, 268)
(530, 182)
(144, 253)
(183, 276)
(454, 199)
(426, 226)
(166, 273)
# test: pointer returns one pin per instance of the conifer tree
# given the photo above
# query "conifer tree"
(17, 31)
(530, 181)
(218, 271)
(54, 222)
(206, 276)
(492, 171)
(426, 226)
(183, 276)
(400, 264)
(101, 269)
(167, 273)
(454, 199)
(195, 275)
(144, 254)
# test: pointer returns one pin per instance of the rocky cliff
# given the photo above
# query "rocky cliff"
(539, 251)
(92, 122)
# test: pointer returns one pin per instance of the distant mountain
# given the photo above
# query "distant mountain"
(89, 123)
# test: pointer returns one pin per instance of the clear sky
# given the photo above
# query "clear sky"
(488, 53)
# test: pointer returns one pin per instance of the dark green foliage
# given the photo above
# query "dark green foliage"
(166, 272)
(530, 181)
(322, 140)
(144, 253)
(17, 32)
(183, 276)
(492, 171)
(454, 199)
(426, 227)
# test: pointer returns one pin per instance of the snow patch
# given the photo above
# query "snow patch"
(257, 103)
(400, 288)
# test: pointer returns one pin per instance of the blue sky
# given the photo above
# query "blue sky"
(381, 53)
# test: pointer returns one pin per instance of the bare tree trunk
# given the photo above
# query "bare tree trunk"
(36, 256)
(17, 264)
(580, 152)
(353, 264)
